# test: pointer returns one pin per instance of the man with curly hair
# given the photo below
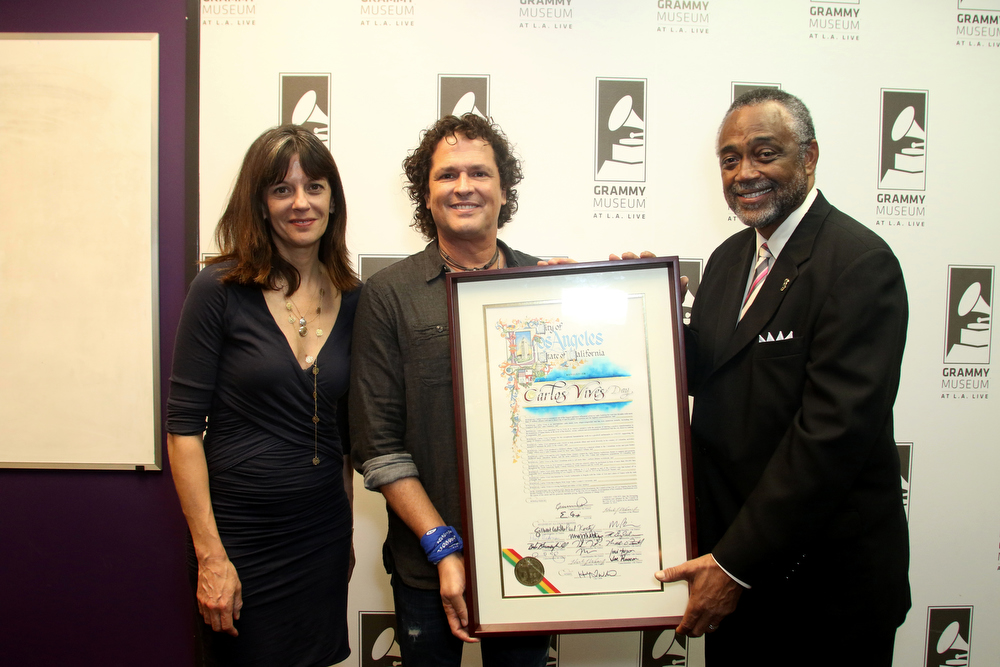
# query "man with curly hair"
(462, 180)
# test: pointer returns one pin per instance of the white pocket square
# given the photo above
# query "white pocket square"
(771, 338)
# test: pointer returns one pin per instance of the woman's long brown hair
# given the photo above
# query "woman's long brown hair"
(244, 234)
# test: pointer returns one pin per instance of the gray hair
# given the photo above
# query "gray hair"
(801, 125)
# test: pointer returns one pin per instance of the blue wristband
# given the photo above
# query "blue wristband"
(440, 542)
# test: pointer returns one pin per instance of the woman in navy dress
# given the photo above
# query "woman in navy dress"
(256, 419)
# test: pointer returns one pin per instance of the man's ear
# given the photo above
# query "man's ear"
(811, 157)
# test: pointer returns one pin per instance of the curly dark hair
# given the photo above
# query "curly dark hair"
(417, 166)
(244, 234)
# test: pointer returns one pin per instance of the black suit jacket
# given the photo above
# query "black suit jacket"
(797, 473)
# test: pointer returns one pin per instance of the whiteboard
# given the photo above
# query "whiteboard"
(79, 331)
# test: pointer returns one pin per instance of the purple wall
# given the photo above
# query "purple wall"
(91, 563)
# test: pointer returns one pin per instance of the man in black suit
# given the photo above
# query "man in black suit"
(793, 361)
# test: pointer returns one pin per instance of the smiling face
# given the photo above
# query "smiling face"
(298, 209)
(764, 178)
(464, 194)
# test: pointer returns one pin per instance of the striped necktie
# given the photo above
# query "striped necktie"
(764, 258)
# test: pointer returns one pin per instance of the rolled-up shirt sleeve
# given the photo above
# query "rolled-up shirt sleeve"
(378, 393)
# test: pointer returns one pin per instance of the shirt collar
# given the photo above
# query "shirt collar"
(784, 231)
(434, 266)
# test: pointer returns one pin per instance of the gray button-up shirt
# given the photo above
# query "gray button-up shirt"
(401, 405)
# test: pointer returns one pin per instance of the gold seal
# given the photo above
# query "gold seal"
(529, 571)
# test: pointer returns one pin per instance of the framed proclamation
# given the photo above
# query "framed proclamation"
(574, 445)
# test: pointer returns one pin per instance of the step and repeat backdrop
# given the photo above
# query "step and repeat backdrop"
(614, 108)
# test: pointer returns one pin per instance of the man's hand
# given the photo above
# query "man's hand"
(645, 254)
(712, 594)
(451, 572)
(220, 594)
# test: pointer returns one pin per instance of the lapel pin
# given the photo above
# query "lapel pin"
(784, 285)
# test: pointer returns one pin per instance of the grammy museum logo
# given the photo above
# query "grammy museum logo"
(387, 13)
(948, 642)
(968, 332)
(544, 14)
(835, 20)
(304, 99)
(459, 94)
(228, 13)
(662, 648)
(379, 647)
(902, 159)
(689, 17)
(978, 24)
(620, 149)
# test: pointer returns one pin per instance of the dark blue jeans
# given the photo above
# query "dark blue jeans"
(425, 639)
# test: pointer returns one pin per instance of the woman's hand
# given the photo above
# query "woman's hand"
(220, 593)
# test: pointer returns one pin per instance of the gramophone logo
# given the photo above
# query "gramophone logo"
(663, 647)
(621, 130)
(692, 269)
(741, 87)
(379, 647)
(949, 636)
(305, 101)
(970, 300)
(905, 450)
(461, 94)
(903, 140)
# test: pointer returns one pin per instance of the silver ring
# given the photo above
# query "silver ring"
(711, 627)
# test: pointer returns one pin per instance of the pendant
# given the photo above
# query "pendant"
(319, 332)
(315, 460)
(302, 332)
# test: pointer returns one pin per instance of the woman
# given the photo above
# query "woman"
(262, 352)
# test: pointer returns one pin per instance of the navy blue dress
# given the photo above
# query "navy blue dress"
(285, 523)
